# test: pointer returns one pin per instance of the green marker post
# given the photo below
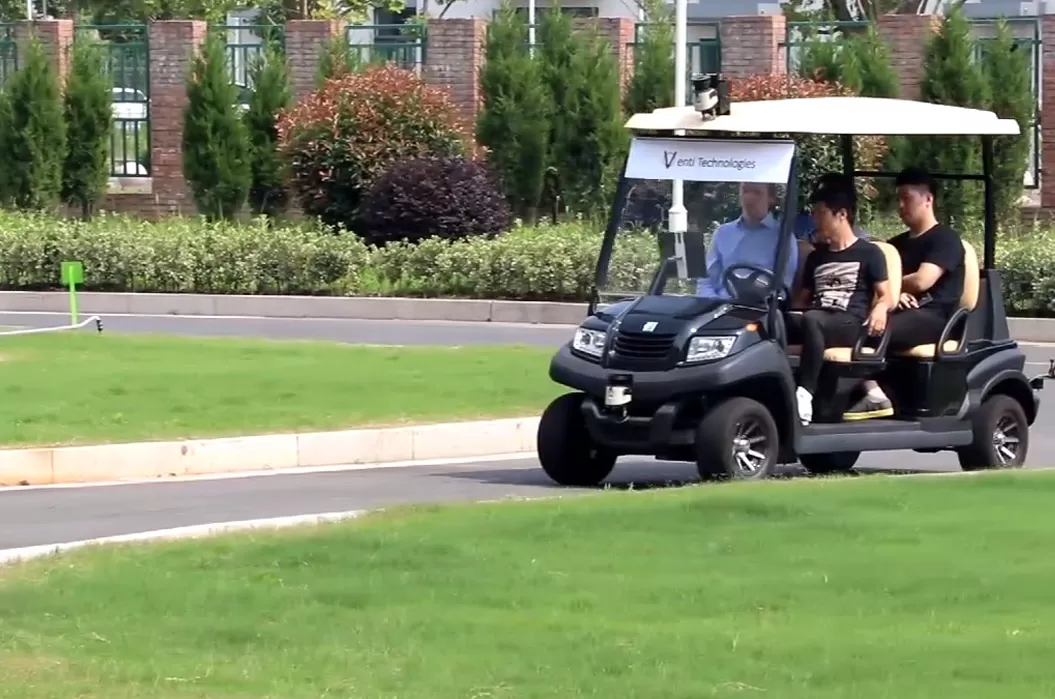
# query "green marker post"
(72, 275)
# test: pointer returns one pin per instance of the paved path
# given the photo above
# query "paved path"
(382, 332)
(57, 515)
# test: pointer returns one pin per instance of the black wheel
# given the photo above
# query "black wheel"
(565, 449)
(835, 462)
(1001, 436)
(737, 439)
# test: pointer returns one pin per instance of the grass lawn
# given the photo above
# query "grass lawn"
(869, 588)
(81, 388)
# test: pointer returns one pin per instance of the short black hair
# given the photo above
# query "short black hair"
(915, 177)
(835, 199)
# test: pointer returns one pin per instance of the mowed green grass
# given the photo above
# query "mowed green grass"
(876, 587)
(85, 388)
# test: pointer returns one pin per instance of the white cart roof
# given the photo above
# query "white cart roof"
(833, 115)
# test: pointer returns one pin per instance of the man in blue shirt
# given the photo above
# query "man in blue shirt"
(752, 238)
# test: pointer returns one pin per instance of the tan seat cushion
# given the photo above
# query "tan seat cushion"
(832, 354)
(928, 351)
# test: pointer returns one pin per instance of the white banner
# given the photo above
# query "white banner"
(699, 160)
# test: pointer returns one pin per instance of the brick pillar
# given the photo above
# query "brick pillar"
(56, 36)
(454, 55)
(1047, 114)
(306, 40)
(753, 44)
(619, 31)
(906, 35)
(173, 46)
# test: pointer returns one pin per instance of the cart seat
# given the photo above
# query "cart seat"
(968, 301)
(843, 355)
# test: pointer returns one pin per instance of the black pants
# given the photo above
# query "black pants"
(817, 330)
(915, 326)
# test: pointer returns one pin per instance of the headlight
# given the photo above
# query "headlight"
(702, 349)
(589, 342)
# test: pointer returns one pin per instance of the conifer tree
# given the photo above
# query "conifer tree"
(513, 123)
(89, 124)
(33, 142)
(652, 84)
(215, 141)
(1007, 69)
(271, 93)
(952, 76)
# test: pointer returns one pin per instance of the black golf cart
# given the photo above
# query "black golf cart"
(660, 369)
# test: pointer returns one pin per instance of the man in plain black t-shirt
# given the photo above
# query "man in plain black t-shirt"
(932, 267)
(845, 289)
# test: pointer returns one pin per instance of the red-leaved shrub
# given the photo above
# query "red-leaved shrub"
(450, 198)
(338, 139)
(817, 154)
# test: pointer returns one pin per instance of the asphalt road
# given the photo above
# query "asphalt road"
(56, 515)
(380, 332)
(62, 514)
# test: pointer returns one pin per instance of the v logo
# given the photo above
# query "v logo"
(668, 157)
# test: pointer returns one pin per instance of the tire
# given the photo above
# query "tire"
(566, 451)
(826, 464)
(1001, 436)
(720, 457)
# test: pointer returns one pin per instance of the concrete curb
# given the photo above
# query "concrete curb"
(344, 307)
(147, 460)
(357, 308)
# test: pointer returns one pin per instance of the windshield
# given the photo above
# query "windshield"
(735, 211)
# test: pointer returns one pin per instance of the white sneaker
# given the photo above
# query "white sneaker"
(805, 401)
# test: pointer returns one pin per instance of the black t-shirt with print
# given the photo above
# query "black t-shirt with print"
(845, 280)
(940, 246)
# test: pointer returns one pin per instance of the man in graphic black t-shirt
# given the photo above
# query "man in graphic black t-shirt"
(932, 267)
(845, 288)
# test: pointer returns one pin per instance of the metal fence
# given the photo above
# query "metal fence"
(703, 49)
(799, 35)
(244, 44)
(401, 44)
(127, 59)
(8, 52)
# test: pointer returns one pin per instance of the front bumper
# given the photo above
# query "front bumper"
(762, 359)
(666, 405)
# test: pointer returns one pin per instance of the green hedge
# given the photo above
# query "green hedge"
(553, 263)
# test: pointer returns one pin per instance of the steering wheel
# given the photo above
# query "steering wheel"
(747, 280)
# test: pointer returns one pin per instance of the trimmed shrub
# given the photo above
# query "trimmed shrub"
(89, 122)
(816, 153)
(341, 137)
(547, 262)
(33, 139)
(271, 94)
(447, 197)
(215, 140)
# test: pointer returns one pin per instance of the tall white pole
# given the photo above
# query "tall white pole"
(531, 26)
(678, 217)
(29, 9)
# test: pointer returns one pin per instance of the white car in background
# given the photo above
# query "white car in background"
(129, 104)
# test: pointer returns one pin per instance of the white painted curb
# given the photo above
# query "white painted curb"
(191, 532)
(149, 460)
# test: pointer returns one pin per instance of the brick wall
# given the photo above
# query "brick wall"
(753, 44)
(906, 36)
(454, 56)
(55, 36)
(305, 41)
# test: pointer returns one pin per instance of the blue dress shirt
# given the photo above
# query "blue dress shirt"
(737, 242)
